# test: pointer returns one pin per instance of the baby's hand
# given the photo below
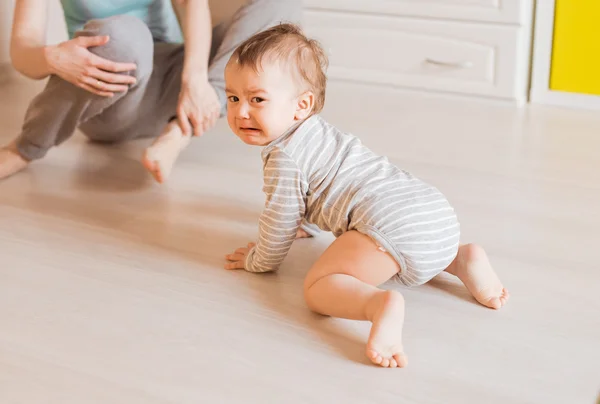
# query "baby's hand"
(238, 258)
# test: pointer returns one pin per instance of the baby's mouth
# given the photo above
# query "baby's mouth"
(249, 129)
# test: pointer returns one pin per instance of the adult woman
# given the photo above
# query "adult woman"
(124, 75)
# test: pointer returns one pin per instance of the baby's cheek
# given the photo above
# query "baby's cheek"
(230, 119)
(270, 119)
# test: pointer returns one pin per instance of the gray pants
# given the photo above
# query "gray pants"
(144, 109)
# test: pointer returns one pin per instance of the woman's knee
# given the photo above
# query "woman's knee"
(130, 41)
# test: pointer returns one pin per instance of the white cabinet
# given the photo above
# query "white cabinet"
(410, 45)
(498, 11)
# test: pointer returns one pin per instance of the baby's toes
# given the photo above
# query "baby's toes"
(401, 360)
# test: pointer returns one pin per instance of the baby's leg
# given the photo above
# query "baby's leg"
(473, 268)
(342, 283)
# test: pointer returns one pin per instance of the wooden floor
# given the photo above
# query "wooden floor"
(112, 288)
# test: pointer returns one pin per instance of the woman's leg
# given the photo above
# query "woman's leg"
(253, 17)
(160, 106)
(119, 119)
(61, 107)
(343, 283)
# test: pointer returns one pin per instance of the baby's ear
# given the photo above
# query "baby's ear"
(306, 103)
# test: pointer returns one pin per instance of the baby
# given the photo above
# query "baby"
(387, 223)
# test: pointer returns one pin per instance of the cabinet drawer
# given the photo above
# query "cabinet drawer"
(422, 54)
(501, 11)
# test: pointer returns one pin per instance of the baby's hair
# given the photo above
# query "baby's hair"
(288, 42)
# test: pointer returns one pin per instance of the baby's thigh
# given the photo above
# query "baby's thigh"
(357, 255)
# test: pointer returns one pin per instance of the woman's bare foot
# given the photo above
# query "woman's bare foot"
(11, 161)
(160, 157)
(473, 268)
(302, 234)
(384, 347)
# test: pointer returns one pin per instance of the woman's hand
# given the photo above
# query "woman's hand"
(199, 107)
(73, 62)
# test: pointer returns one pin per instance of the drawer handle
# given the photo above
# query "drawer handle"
(462, 65)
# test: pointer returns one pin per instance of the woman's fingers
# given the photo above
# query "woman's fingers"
(102, 86)
(110, 66)
(184, 123)
(196, 125)
(112, 78)
(94, 90)
(91, 41)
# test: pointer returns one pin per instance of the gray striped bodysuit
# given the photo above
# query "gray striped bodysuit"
(317, 175)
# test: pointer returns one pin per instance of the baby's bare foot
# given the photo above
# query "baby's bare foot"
(384, 347)
(11, 161)
(473, 268)
(160, 157)
(302, 234)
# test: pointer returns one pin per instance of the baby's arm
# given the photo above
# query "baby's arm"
(285, 206)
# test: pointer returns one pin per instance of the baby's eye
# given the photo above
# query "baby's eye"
(257, 99)
(233, 98)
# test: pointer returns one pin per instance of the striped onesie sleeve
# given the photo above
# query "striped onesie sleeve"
(285, 189)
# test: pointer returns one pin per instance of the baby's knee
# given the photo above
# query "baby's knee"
(310, 301)
(308, 296)
(130, 41)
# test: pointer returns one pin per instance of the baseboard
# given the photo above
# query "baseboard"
(565, 99)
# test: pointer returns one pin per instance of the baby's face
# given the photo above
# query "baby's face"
(261, 106)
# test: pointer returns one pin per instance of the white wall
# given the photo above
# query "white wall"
(56, 26)
(57, 29)
(6, 11)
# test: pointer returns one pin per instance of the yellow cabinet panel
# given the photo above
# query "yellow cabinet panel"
(576, 47)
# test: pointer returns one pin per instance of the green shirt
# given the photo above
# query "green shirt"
(158, 15)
